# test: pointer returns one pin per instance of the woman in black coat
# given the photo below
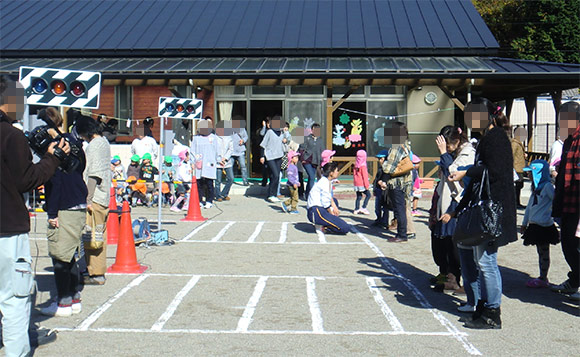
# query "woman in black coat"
(493, 153)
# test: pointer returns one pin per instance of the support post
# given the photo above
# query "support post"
(557, 102)
(329, 111)
(530, 109)
(159, 168)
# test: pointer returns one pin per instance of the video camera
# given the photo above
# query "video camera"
(40, 138)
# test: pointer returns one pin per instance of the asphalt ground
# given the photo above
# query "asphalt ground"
(252, 280)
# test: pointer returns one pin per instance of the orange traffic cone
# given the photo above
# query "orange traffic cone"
(193, 211)
(126, 260)
(113, 220)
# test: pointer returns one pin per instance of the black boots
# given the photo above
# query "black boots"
(489, 319)
(476, 314)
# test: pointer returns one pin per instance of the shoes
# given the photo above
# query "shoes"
(520, 206)
(56, 309)
(411, 235)
(273, 199)
(466, 308)
(41, 336)
(537, 283)
(489, 319)
(76, 306)
(227, 198)
(319, 228)
(416, 213)
(284, 207)
(174, 209)
(94, 280)
(397, 240)
(460, 291)
(294, 212)
(575, 296)
(439, 279)
(393, 225)
(564, 288)
(208, 205)
(364, 211)
(219, 199)
(356, 211)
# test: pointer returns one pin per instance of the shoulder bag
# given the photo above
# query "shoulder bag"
(480, 222)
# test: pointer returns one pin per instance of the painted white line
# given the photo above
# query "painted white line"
(174, 304)
(254, 235)
(262, 332)
(321, 237)
(468, 346)
(283, 233)
(395, 324)
(222, 232)
(278, 242)
(84, 326)
(246, 318)
(196, 230)
(317, 326)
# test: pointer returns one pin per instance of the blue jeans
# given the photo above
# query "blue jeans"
(367, 194)
(381, 209)
(485, 257)
(470, 275)
(274, 167)
(242, 162)
(311, 172)
(219, 193)
(14, 293)
(399, 203)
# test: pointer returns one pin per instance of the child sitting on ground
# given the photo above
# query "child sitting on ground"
(134, 169)
(292, 175)
(538, 226)
(147, 173)
(136, 191)
(361, 182)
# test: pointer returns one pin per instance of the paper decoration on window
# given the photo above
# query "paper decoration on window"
(344, 118)
(337, 138)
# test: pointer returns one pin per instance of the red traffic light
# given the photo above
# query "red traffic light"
(58, 87)
(189, 108)
(77, 89)
(180, 107)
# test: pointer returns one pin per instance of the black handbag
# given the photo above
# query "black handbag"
(480, 222)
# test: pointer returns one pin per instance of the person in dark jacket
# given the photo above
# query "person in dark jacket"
(17, 175)
(493, 153)
(311, 155)
(381, 208)
(566, 204)
(66, 204)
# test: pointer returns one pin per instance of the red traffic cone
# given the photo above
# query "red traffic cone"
(193, 211)
(126, 260)
(113, 220)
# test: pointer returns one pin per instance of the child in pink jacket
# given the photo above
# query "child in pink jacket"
(361, 182)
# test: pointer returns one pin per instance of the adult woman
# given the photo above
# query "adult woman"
(398, 186)
(66, 202)
(97, 177)
(519, 154)
(311, 155)
(272, 152)
(322, 208)
(493, 154)
(456, 153)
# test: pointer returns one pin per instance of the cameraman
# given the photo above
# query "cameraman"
(17, 175)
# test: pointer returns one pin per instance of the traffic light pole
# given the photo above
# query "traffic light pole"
(160, 168)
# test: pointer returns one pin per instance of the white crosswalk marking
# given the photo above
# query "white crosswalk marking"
(395, 324)
(254, 235)
(246, 318)
(222, 232)
(195, 231)
(174, 304)
(317, 325)
(283, 233)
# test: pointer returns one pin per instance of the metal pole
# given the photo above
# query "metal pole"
(160, 167)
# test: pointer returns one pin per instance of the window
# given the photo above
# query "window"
(124, 108)
(307, 90)
(268, 90)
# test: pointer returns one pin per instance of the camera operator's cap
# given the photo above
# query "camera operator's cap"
(135, 158)
(383, 153)
(147, 156)
(168, 159)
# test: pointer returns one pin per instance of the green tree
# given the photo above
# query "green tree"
(543, 30)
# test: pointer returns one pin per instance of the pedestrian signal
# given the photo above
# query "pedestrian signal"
(61, 87)
(181, 108)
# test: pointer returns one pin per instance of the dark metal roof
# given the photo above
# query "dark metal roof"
(148, 28)
(306, 67)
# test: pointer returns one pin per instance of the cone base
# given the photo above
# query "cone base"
(127, 269)
(193, 219)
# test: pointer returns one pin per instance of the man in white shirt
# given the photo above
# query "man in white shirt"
(144, 144)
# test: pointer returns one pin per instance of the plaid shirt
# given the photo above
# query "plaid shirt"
(572, 176)
(403, 182)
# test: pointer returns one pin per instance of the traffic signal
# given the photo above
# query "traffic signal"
(181, 108)
(61, 87)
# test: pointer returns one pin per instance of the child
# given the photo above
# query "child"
(167, 176)
(417, 193)
(381, 209)
(136, 191)
(292, 174)
(538, 226)
(134, 169)
(184, 177)
(118, 174)
(361, 182)
(147, 173)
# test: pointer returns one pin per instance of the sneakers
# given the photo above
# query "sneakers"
(397, 240)
(55, 309)
(466, 308)
(94, 280)
(208, 205)
(356, 211)
(319, 228)
(575, 296)
(439, 279)
(284, 207)
(273, 199)
(294, 212)
(564, 288)
(175, 209)
(39, 336)
(76, 306)
(411, 235)
(415, 213)
(537, 283)
(364, 211)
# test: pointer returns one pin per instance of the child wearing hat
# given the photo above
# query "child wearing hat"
(118, 173)
(293, 182)
(167, 176)
(133, 169)
(147, 173)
